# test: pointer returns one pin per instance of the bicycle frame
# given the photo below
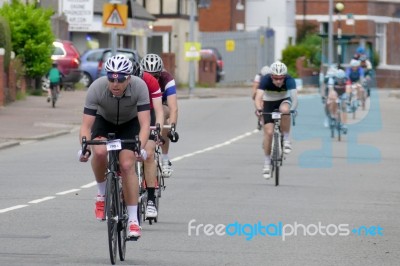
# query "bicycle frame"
(277, 155)
(115, 208)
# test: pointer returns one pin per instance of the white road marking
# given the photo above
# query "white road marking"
(13, 208)
(42, 199)
(217, 146)
(68, 191)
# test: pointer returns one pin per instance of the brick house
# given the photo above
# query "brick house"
(372, 24)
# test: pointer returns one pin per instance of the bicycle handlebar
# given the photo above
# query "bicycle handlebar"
(111, 136)
(293, 113)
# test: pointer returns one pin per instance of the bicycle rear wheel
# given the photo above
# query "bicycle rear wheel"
(112, 216)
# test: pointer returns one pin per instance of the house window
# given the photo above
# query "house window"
(153, 6)
(381, 42)
(170, 7)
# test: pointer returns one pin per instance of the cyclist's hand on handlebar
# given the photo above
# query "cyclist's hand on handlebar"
(173, 136)
(83, 157)
(142, 156)
(259, 112)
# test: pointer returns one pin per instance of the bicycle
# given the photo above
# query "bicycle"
(277, 155)
(160, 184)
(115, 208)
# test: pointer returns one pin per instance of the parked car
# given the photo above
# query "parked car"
(93, 62)
(206, 51)
(68, 62)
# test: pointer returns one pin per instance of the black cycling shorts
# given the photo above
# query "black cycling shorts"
(270, 106)
(127, 130)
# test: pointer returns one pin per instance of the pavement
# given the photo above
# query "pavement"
(33, 119)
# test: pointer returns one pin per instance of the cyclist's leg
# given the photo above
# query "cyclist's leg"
(285, 125)
(166, 164)
(332, 98)
(268, 133)
(150, 174)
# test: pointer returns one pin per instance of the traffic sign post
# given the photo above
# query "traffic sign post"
(115, 16)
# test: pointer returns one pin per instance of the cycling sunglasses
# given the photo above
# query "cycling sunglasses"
(120, 78)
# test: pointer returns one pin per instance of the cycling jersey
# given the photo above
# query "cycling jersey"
(117, 110)
(340, 88)
(355, 75)
(153, 87)
(167, 85)
(274, 93)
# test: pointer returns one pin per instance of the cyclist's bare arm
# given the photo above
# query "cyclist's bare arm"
(144, 121)
(159, 111)
(86, 126)
(172, 102)
(259, 99)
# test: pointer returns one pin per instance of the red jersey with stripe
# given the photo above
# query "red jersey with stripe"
(153, 87)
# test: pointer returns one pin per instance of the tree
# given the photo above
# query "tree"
(31, 35)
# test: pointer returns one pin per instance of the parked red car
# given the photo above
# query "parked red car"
(68, 62)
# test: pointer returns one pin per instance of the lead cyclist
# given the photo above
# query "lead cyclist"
(277, 90)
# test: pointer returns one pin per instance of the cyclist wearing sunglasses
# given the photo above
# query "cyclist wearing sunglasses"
(117, 103)
(157, 116)
(277, 90)
(153, 64)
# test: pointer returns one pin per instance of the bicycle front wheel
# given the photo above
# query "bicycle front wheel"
(122, 232)
(112, 216)
(276, 155)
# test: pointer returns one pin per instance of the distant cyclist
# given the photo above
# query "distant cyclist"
(277, 90)
(339, 89)
(153, 64)
(54, 80)
(367, 66)
(355, 75)
(117, 103)
(157, 116)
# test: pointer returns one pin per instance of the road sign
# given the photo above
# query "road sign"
(230, 45)
(79, 14)
(192, 51)
(115, 15)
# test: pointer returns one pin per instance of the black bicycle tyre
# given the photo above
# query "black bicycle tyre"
(112, 211)
(275, 158)
(332, 125)
(122, 230)
(339, 125)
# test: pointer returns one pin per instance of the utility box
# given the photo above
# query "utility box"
(207, 70)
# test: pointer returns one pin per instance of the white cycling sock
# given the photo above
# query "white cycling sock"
(132, 212)
(267, 160)
(101, 188)
(285, 136)
(165, 157)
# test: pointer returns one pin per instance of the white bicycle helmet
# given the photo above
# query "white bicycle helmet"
(137, 69)
(278, 68)
(119, 64)
(340, 74)
(265, 70)
(152, 63)
(354, 63)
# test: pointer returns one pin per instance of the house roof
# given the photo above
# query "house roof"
(138, 11)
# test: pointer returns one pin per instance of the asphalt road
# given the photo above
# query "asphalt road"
(343, 195)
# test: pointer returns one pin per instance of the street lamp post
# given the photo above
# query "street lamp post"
(338, 9)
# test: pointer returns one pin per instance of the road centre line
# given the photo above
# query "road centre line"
(228, 142)
(42, 199)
